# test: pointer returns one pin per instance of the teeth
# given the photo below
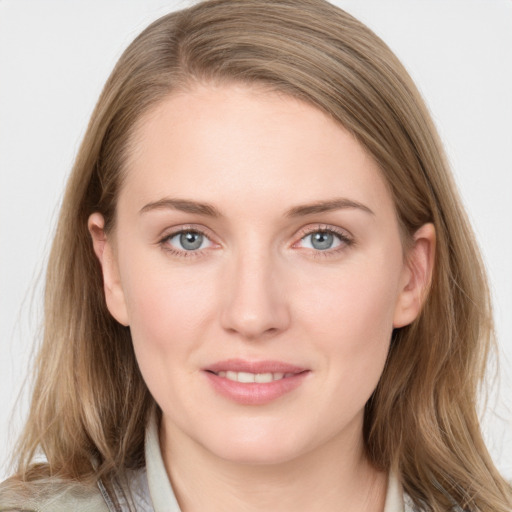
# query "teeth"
(260, 378)
(245, 377)
(263, 377)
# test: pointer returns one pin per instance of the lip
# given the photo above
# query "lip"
(255, 393)
(241, 365)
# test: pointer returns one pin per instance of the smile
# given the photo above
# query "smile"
(259, 378)
(254, 382)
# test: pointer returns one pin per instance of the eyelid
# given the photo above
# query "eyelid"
(180, 228)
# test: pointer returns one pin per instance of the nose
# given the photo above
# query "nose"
(255, 305)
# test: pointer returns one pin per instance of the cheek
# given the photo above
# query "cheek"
(352, 299)
(167, 307)
(168, 313)
(349, 314)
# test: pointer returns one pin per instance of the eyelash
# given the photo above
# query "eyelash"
(344, 238)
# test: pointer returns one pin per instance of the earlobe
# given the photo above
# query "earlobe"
(417, 275)
(114, 295)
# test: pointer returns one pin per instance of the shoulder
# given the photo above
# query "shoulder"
(50, 497)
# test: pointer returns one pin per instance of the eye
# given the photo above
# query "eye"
(188, 240)
(324, 240)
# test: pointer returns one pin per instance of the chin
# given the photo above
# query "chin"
(257, 455)
(263, 446)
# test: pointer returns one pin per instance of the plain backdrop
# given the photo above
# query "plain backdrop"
(56, 55)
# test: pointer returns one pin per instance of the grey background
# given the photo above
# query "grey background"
(56, 55)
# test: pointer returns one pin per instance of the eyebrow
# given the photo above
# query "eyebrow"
(209, 210)
(183, 205)
(327, 206)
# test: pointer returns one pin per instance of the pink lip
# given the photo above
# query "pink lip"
(254, 393)
(240, 365)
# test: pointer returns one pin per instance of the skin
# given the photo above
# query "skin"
(258, 289)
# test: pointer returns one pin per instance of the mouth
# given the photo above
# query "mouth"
(254, 382)
(248, 377)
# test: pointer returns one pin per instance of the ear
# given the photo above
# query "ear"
(416, 276)
(105, 253)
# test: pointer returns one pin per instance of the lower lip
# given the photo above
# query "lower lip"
(254, 393)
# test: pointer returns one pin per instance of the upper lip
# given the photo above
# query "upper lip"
(241, 365)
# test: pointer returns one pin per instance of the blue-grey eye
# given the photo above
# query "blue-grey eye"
(189, 241)
(321, 240)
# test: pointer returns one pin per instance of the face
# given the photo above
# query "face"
(258, 262)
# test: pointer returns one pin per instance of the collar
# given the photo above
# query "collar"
(160, 488)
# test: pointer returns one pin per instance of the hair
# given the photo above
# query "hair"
(90, 404)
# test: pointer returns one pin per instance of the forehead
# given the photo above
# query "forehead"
(238, 144)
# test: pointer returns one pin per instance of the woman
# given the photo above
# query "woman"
(263, 290)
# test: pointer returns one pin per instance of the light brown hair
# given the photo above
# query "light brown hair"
(90, 404)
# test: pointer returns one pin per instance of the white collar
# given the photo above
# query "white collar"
(160, 488)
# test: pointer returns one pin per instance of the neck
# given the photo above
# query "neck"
(336, 476)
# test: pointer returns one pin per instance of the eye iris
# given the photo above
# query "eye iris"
(191, 240)
(322, 240)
